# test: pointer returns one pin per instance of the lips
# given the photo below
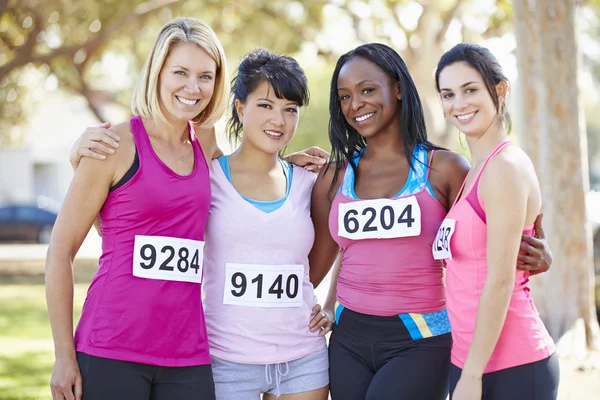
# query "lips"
(464, 118)
(274, 134)
(187, 102)
(364, 117)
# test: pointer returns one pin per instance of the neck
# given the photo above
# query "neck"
(481, 146)
(387, 144)
(253, 159)
(173, 132)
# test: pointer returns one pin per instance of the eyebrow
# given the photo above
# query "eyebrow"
(293, 103)
(462, 86)
(359, 83)
(184, 68)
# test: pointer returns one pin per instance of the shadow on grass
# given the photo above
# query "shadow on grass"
(26, 375)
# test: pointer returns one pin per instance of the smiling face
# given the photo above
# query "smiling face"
(186, 82)
(369, 98)
(466, 100)
(269, 123)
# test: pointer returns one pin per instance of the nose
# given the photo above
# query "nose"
(460, 102)
(192, 86)
(278, 119)
(357, 103)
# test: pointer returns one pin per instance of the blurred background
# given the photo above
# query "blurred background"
(69, 64)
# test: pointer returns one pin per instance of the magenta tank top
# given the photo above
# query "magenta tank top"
(387, 267)
(152, 319)
(524, 338)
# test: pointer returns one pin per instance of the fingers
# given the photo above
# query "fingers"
(318, 152)
(78, 388)
(320, 321)
(316, 309)
(530, 241)
(100, 146)
(538, 231)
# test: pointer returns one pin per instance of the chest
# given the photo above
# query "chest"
(381, 180)
(179, 159)
(261, 187)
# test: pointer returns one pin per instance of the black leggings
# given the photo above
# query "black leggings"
(534, 381)
(105, 379)
(375, 358)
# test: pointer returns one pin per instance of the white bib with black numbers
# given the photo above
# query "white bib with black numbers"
(167, 258)
(254, 285)
(441, 245)
(380, 218)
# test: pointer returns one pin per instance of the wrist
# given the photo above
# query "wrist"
(471, 371)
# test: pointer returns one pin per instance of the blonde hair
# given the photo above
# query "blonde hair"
(145, 101)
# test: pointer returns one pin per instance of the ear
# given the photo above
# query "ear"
(239, 108)
(502, 91)
(398, 92)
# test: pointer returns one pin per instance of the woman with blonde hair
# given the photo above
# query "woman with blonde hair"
(142, 333)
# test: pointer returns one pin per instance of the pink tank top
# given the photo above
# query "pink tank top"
(157, 321)
(524, 338)
(257, 292)
(389, 272)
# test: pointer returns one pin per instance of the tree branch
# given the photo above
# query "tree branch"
(448, 18)
(26, 55)
(3, 7)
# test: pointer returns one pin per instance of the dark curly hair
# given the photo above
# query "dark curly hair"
(283, 73)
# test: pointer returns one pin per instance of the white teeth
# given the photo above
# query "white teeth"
(465, 117)
(272, 133)
(187, 101)
(364, 117)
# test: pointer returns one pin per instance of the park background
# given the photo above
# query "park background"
(68, 64)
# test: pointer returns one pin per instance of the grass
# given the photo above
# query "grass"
(26, 349)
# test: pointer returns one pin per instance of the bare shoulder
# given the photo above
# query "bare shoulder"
(510, 163)
(446, 160)
(327, 182)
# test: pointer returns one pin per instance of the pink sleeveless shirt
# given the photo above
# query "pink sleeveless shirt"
(524, 338)
(257, 293)
(388, 276)
(150, 321)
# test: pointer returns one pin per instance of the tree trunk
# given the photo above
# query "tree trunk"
(553, 132)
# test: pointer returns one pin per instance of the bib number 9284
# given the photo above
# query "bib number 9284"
(263, 285)
(166, 258)
(380, 218)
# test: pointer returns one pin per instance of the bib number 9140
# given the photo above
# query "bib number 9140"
(380, 218)
(167, 258)
(263, 285)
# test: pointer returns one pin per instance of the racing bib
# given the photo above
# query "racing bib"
(380, 218)
(253, 285)
(167, 258)
(441, 245)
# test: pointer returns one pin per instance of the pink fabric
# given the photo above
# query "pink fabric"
(391, 276)
(238, 232)
(524, 338)
(140, 320)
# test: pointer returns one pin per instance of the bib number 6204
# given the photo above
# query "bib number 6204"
(380, 218)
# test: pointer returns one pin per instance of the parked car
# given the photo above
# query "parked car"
(26, 223)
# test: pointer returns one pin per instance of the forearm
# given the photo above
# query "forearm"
(59, 298)
(332, 293)
(491, 314)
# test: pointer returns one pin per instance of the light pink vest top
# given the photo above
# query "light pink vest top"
(524, 338)
(238, 232)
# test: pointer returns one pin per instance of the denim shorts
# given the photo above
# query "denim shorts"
(236, 381)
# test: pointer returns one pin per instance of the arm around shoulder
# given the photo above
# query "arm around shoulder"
(325, 249)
